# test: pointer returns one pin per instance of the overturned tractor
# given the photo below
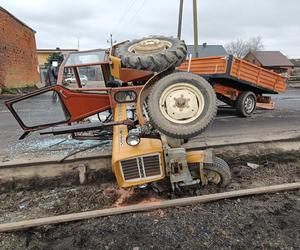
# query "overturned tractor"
(150, 109)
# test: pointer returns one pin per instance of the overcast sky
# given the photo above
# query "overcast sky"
(60, 22)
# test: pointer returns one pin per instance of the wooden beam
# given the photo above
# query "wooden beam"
(21, 225)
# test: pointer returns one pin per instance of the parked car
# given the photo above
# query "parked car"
(72, 79)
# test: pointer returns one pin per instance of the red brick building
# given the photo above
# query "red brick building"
(18, 59)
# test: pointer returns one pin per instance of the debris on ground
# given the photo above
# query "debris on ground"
(252, 165)
(62, 147)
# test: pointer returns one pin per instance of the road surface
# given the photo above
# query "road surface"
(228, 128)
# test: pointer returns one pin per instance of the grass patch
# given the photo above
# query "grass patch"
(23, 90)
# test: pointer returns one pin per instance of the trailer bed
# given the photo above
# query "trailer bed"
(236, 73)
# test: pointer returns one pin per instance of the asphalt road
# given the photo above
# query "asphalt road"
(264, 125)
(228, 128)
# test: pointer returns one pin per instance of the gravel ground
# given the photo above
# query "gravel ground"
(268, 221)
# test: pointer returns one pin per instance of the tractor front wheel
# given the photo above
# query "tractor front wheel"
(181, 105)
(218, 173)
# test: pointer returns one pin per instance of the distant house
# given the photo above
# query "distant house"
(272, 60)
(18, 60)
(296, 63)
(206, 50)
(42, 56)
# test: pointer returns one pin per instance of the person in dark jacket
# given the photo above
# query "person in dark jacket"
(51, 78)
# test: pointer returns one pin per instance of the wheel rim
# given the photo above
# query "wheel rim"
(149, 46)
(181, 103)
(249, 104)
(213, 177)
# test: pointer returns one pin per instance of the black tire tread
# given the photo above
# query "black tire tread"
(240, 104)
(221, 167)
(154, 62)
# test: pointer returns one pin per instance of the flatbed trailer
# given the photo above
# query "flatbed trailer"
(237, 82)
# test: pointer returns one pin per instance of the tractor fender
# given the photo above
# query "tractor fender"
(146, 90)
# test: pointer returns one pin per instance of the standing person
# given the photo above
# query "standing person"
(51, 79)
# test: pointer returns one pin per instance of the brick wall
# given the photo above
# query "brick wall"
(18, 59)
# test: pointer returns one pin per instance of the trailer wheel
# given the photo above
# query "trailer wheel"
(155, 53)
(181, 105)
(246, 103)
(218, 173)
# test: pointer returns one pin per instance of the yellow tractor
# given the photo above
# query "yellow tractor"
(151, 108)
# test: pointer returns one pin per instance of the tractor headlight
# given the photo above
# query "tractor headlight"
(133, 139)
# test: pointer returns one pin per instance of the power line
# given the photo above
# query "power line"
(130, 5)
(133, 17)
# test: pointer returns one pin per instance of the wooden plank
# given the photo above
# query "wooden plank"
(21, 225)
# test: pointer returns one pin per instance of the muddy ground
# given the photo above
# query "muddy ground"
(262, 222)
(266, 221)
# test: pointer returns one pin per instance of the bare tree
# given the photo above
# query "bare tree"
(240, 48)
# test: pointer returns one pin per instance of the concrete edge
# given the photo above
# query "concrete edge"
(107, 154)
(27, 176)
(46, 161)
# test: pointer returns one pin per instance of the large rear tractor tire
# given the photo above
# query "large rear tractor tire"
(218, 173)
(155, 53)
(246, 104)
(181, 105)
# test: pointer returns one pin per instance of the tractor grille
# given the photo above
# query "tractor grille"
(141, 167)
(130, 169)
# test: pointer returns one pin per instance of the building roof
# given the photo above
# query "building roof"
(272, 58)
(206, 50)
(18, 20)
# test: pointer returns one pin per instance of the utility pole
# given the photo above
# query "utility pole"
(195, 17)
(111, 41)
(78, 43)
(180, 19)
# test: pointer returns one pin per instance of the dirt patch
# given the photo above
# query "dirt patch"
(268, 221)
(269, 156)
(64, 180)
(23, 205)
(65, 195)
